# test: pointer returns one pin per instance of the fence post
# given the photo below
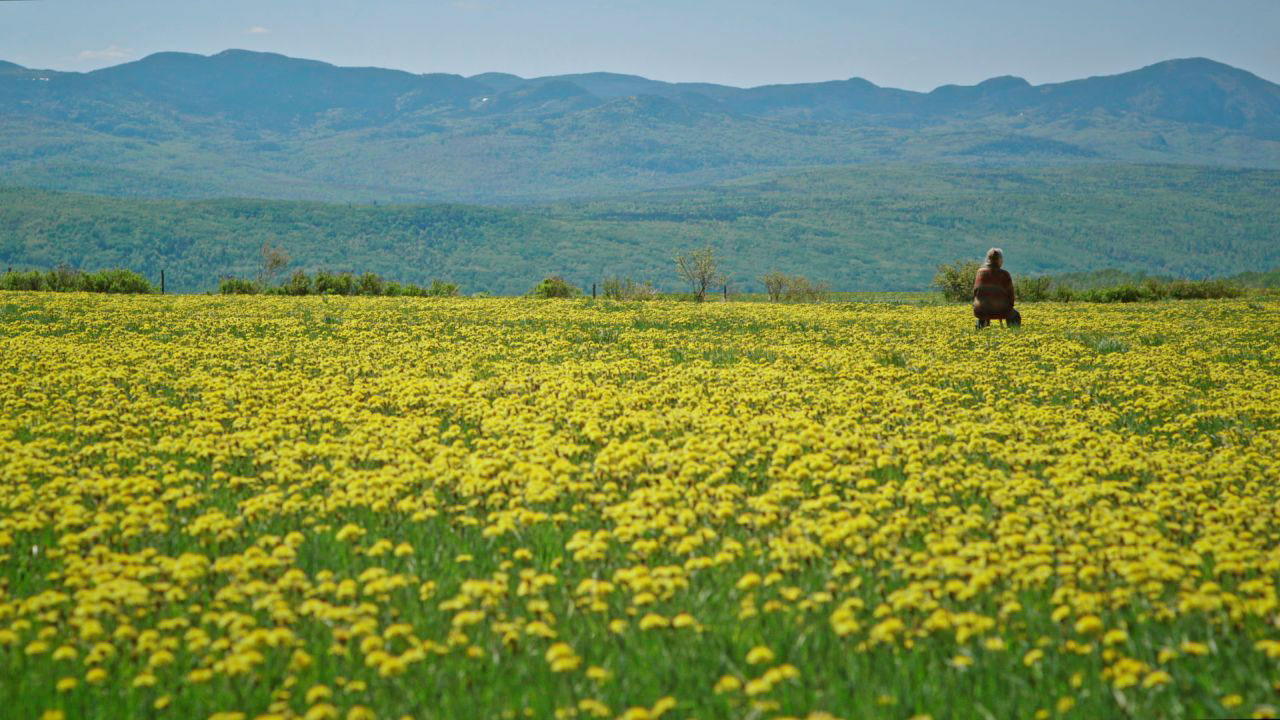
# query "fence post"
(593, 291)
(162, 281)
(726, 292)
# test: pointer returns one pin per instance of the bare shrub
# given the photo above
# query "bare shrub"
(775, 281)
(700, 270)
(799, 288)
(619, 288)
(272, 261)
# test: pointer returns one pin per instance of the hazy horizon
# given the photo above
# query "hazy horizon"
(602, 71)
(914, 46)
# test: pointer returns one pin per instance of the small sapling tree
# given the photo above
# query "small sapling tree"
(700, 270)
(273, 259)
(775, 281)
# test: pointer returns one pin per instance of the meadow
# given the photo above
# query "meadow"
(320, 507)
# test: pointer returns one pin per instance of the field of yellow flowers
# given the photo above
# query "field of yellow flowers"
(226, 507)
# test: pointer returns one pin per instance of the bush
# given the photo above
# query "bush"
(65, 279)
(1063, 293)
(236, 286)
(775, 281)
(616, 288)
(440, 288)
(32, 281)
(1206, 290)
(1254, 279)
(328, 283)
(369, 284)
(298, 284)
(1033, 289)
(116, 281)
(1062, 288)
(411, 290)
(800, 289)
(955, 280)
(554, 287)
(611, 288)
(1155, 289)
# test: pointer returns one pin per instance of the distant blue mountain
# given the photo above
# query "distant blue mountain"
(266, 124)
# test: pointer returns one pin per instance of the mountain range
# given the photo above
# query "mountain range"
(264, 125)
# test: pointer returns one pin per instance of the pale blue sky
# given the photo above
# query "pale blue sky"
(914, 44)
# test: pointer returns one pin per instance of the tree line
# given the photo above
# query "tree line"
(955, 282)
(699, 269)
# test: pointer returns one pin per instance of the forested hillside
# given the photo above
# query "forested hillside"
(858, 228)
(263, 125)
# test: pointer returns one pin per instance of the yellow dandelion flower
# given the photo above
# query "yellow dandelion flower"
(317, 693)
(726, 684)
(349, 532)
(1190, 647)
(683, 620)
(653, 621)
(662, 706)
(1089, 625)
(322, 711)
(1115, 637)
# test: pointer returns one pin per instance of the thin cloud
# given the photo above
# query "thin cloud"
(257, 30)
(114, 52)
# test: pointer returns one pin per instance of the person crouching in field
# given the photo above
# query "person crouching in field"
(993, 292)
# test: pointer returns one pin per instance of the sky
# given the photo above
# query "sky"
(911, 44)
